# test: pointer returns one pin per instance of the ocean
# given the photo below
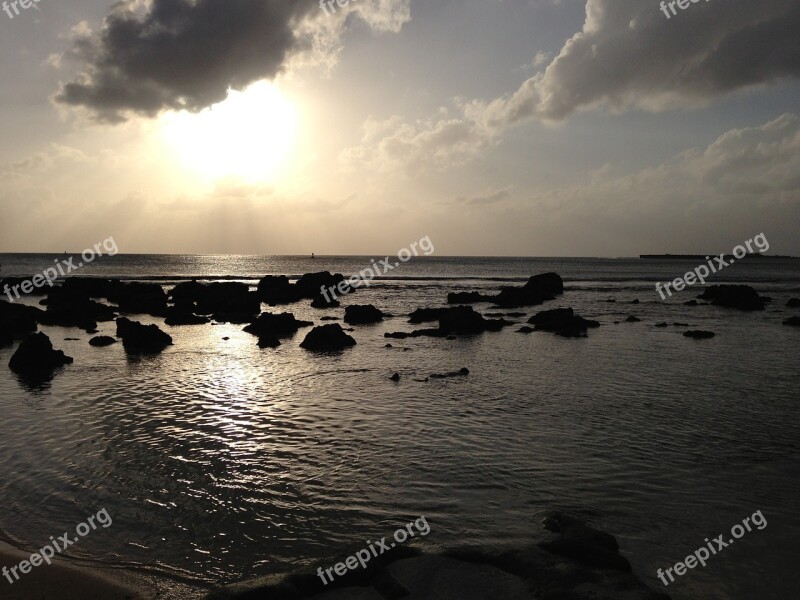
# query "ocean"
(220, 461)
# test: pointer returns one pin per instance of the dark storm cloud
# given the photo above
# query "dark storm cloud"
(172, 54)
(630, 55)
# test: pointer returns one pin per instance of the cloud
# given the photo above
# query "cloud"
(155, 55)
(414, 147)
(628, 55)
(747, 179)
(487, 197)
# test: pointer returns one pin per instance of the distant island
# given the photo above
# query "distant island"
(704, 256)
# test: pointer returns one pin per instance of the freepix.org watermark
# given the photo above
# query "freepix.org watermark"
(682, 4)
(700, 273)
(25, 4)
(703, 553)
(362, 557)
(378, 268)
(48, 551)
(328, 8)
(50, 274)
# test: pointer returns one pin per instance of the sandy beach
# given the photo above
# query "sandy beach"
(69, 580)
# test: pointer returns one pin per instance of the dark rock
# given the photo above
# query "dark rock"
(11, 282)
(320, 301)
(279, 326)
(460, 373)
(388, 346)
(395, 377)
(453, 320)
(742, 297)
(329, 318)
(276, 289)
(792, 321)
(101, 341)
(662, 325)
(225, 339)
(230, 302)
(138, 338)
(525, 329)
(563, 322)
(698, 334)
(142, 298)
(632, 319)
(583, 543)
(358, 314)
(691, 303)
(187, 292)
(515, 315)
(327, 337)
(311, 285)
(466, 298)
(17, 321)
(92, 287)
(680, 324)
(793, 303)
(611, 301)
(397, 335)
(635, 301)
(464, 320)
(35, 356)
(71, 307)
(268, 341)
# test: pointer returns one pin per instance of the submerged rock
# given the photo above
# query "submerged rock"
(583, 543)
(792, 321)
(460, 373)
(742, 297)
(563, 322)
(327, 337)
(699, 334)
(793, 303)
(138, 338)
(36, 356)
(395, 377)
(632, 319)
(582, 563)
(101, 341)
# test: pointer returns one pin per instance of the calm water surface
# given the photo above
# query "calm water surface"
(218, 460)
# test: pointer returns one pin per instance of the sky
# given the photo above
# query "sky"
(495, 127)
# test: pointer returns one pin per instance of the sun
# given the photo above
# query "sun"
(249, 135)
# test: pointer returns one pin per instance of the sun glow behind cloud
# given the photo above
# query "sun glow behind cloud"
(249, 136)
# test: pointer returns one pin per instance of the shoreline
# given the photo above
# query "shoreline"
(70, 579)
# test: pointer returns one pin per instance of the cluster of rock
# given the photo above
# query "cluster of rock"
(453, 321)
(577, 562)
(76, 303)
(563, 322)
(277, 289)
(537, 290)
